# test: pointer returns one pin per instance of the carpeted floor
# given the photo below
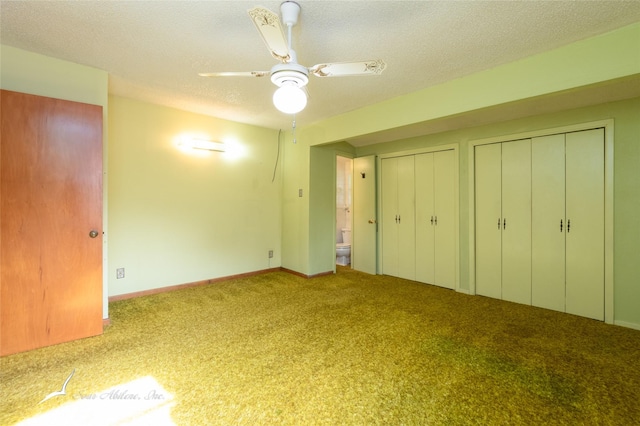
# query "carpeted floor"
(345, 349)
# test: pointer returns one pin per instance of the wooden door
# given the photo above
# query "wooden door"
(488, 170)
(548, 222)
(51, 199)
(444, 218)
(516, 221)
(585, 223)
(363, 247)
(425, 223)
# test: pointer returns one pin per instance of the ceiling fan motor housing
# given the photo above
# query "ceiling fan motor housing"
(289, 72)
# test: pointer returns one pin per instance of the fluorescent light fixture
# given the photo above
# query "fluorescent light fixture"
(203, 144)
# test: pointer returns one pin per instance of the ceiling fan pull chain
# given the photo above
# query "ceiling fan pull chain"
(293, 128)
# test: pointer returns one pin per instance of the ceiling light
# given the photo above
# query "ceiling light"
(203, 144)
(290, 78)
(289, 98)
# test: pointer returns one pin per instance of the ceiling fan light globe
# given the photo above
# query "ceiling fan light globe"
(289, 98)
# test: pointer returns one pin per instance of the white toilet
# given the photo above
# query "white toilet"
(343, 249)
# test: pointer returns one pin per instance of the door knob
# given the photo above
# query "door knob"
(372, 221)
(93, 233)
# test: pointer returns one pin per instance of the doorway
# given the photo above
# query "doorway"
(344, 209)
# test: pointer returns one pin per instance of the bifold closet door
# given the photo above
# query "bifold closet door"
(435, 214)
(585, 223)
(503, 220)
(488, 169)
(389, 202)
(516, 221)
(425, 228)
(445, 236)
(568, 223)
(398, 210)
(548, 222)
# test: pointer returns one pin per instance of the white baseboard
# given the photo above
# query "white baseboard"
(627, 324)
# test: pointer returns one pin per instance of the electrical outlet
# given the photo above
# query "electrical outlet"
(120, 273)
(270, 254)
(300, 192)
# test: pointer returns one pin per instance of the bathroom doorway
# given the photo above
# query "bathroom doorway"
(344, 207)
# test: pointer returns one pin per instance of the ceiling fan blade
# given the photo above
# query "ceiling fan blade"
(268, 24)
(339, 69)
(234, 74)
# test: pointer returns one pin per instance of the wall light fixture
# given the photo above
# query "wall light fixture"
(203, 144)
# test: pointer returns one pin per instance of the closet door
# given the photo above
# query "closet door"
(425, 228)
(406, 219)
(503, 220)
(398, 216)
(548, 222)
(488, 169)
(585, 223)
(516, 221)
(389, 201)
(444, 215)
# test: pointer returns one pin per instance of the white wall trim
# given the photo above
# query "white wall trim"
(424, 150)
(627, 324)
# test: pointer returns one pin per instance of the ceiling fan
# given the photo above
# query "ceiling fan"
(289, 75)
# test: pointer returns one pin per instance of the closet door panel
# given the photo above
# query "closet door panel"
(585, 222)
(445, 244)
(548, 222)
(406, 222)
(425, 228)
(488, 219)
(389, 201)
(516, 221)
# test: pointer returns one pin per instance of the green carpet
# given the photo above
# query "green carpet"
(344, 349)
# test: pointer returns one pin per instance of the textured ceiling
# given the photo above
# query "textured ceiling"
(153, 50)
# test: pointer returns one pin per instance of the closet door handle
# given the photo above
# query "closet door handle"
(436, 220)
(399, 218)
(498, 224)
(504, 223)
(431, 220)
(568, 225)
(560, 225)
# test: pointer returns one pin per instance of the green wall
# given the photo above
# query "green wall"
(295, 205)
(592, 61)
(626, 115)
(322, 186)
(178, 215)
(559, 77)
